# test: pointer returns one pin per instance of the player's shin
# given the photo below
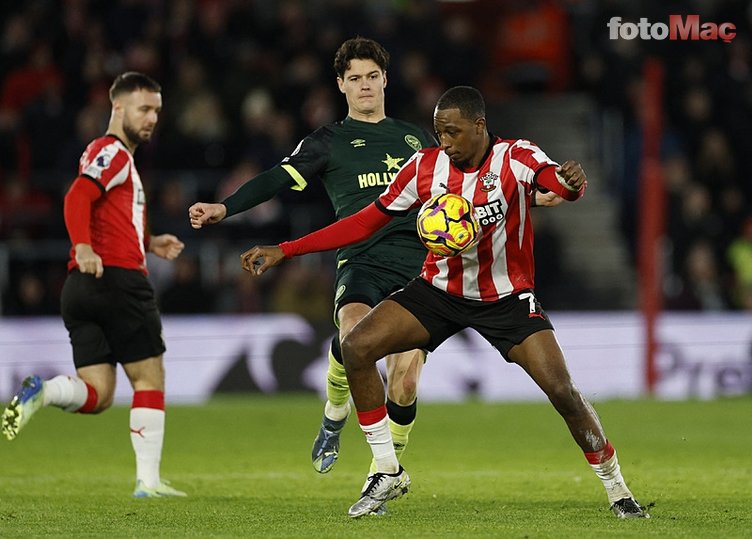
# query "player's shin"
(401, 421)
(147, 421)
(337, 388)
(71, 394)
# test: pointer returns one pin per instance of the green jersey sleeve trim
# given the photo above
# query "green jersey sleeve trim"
(300, 181)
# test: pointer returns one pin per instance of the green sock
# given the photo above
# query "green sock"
(400, 434)
(337, 388)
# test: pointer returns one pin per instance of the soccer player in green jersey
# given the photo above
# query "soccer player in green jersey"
(355, 158)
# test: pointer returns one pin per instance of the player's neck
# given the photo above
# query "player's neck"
(120, 135)
(369, 117)
(481, 156)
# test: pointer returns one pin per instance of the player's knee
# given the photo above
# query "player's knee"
(356, 350)
(103, 403)
(403, 390)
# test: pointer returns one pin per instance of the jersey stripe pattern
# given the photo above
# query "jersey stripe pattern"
(502, 262)
(118, 217)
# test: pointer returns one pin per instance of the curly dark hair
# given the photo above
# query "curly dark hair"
(359, 48)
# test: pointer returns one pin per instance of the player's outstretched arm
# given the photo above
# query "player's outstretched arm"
(166, 246)
(203, 213)
(249, 195)
(353, 229)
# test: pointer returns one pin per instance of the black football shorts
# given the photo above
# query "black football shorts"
(113, 319)
(367, 279)
(503, 323)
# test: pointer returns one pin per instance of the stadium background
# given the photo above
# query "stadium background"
(244, 81)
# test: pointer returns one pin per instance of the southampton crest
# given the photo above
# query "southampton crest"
(488, 180)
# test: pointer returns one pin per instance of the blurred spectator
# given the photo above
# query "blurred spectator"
(29, 295)
(24, 211)
(532, 48)
(700, 287)
(739, 256)
(20, 88)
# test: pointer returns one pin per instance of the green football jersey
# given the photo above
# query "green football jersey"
(356, 161)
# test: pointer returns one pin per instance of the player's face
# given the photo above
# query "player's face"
(462, 139)
(363, 86)
(140, 111)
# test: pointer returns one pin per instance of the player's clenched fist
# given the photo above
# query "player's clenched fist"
(573, 175)
(202, 213)
(258, 259)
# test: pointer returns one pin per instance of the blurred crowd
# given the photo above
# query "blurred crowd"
(244, 80)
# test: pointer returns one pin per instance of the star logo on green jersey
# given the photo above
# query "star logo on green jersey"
(392, 162)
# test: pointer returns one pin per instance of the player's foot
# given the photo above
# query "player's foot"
(24, 405)
(163, 490)
(326, 445)
(381, 511)
(629, 508)
(381, 488)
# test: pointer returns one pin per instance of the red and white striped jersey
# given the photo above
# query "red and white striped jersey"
(501, 263)
(118, 217)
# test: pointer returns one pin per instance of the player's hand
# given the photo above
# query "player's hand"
(166, 246)
(202, 213)
(260, 258)
(87, 260)
(572, 173)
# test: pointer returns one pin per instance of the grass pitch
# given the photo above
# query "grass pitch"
(478, 470)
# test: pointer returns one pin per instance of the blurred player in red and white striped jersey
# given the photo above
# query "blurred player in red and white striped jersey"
(489, 288)
(107, 302)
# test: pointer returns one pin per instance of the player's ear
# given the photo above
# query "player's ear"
(480, 125)
(383, 74)
(341, 85)
(118, 107)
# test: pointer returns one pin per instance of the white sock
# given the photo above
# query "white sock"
(147, 434)
(336, 413)
(65, 392)
(380, 439)
(609, 473)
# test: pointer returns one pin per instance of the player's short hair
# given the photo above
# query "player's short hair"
(132, 81)
(467, 99)
(360, 48)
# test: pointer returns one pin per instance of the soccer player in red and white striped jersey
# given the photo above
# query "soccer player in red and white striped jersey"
(489, 288)
(107, 302)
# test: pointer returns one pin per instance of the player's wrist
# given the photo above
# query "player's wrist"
(287, 248)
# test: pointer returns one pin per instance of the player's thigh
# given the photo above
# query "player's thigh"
(402, 374)
(146, 374)
(361, 283)
(102, 377)
(542, 358)
(387, 329)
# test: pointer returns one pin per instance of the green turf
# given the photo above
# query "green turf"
(478, 470)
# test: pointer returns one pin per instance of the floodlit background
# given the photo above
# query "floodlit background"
(243, 82)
